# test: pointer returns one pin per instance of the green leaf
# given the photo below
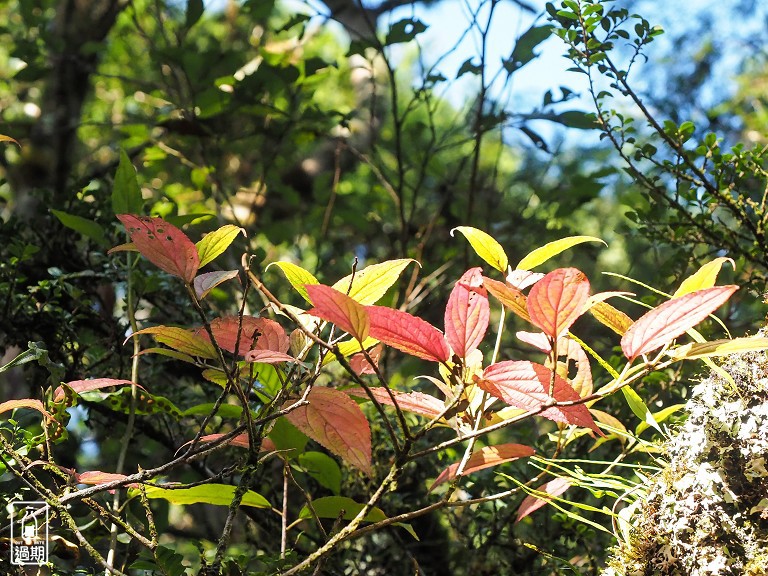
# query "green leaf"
(225, 410)
(86, 227)
(523, 51)
(541, 255)
(287, 438)
(217, 494)
(333, 506)
(195, 10)
(372, 282)
(215, 243)
(639, 408)
(297, 276)
(146, 403)
(486, 247)
(322, 468)
(404, 30)
(126, 193)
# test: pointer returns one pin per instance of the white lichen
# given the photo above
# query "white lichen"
(706, 514)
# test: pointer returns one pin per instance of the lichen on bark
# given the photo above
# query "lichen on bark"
(706, 512)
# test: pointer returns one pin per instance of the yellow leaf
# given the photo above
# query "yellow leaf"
(214, 244)
(297, 276)
(609, 316)
(718, 348)
(704, 277)
(372, 282)
(349, 348)
(541, 255)
(486, 247)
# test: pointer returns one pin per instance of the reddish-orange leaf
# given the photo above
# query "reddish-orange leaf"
(256, 334)
(96, 477)
(532, 503)
(671, 319)
(525, 385)
(538, 340)
(509, 296)
(182, 340)
(573, 352)
(467, 313)
(80, 386)
(416, 402)
(335, 421)
(268, 356)
(338, 308)
(360, 364)
(408, 334)
(239, 441)
(163, 244)
(557, 300)
(486, 457)
(24, 403)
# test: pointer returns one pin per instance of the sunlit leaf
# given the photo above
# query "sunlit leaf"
(204, 283)
(218, 494)
(671, 319)
(169, 353)
(322, 468)
(608, 420)
(485, 457)
(611, 317)
(467, 313)
(639, 407)
(255, 333)
(350, 347)
(521, 279)
(556, 301)
(408, 334)
(4, 138)
(509, 296)
(416, 402)
(541, 255)
(719, 348)
(268, 356)
(532, 502)
(79, 386)
(215, 243)
(297, 276)
(340, 507)
(335, 421)
(339, 309)
(163, 244)
(526, 385)
(361, 365)
(182, 340)
(24, 403)
(704, 277)
(372, 282)
(485, 246)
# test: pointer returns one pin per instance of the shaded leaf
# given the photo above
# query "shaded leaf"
(372, 282)
(485, 246)
(467, 313)
(525, 385)
(334, 506)
(348, 348)
(268, 356)
(182, 340)
(523, 51)
(339, 309)
(404, 30)
(163, 244)
(322, 468)
(297, 276)
(541, 255)
(95, 477)
(218, 494)
(204, 283)
(556, 301)
(4, 138)
(79, 386)
(84, 226)
(126, 193)
(170, 353)
(335, 421)
(416, 402)
(509, 296)
(255, 334)
(360, 364)
(671, 319)
(127, 247)
(24, 403)
(486, 457)
(532, 502)
(215, 243)
(146, 403)
(704, 277)
(408, 334)
(718, 348)
(195, 9)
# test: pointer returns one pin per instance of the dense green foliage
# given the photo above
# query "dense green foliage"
(334, 147)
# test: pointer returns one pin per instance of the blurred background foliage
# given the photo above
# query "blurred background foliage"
(330, 132)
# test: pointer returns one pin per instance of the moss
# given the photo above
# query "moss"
(706, 513)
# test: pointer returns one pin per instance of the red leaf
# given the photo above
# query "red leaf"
(359, 363)
(256, 334)
(532, 503)
(408, 334)
(80, 386)
(268, 357)
(671, 319)
(95, 477)
(486, 457)
(557, 300)
(335, 421)
(338, 308)
(239, 441)
(163, 244)
(24, 403)
(467, 313)
(416, 402)
(572, 350)
(525, 385)
(509, 296)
